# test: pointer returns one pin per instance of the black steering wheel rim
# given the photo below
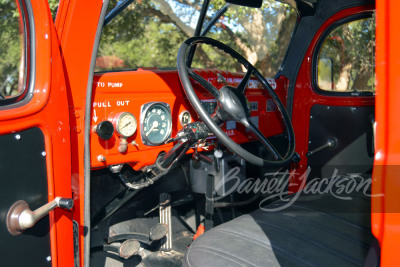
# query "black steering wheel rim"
(183, 72)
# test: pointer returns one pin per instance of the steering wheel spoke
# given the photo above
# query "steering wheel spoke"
(249, 125)
(243, 84)
(233, 105)
(203, 82)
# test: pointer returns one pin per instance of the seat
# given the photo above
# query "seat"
(316, 230)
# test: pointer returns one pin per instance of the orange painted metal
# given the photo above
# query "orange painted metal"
(386, 211)
(305, 96)
(76, 25)
(48, 111)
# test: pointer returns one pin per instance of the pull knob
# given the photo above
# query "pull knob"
(330, 143)
(105, 130)
(20, 217)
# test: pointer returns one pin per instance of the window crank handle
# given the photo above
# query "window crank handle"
(20, 217)
(330, 143)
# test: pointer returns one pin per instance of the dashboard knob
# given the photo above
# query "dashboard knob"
(105, 130)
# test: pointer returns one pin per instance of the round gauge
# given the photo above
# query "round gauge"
(156, 123)
(126, 124)
(185, 118)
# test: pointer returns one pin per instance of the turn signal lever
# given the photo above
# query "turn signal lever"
(20, 217)
(330, 143)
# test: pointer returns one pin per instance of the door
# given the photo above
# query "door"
(334, 101)
(35, 157)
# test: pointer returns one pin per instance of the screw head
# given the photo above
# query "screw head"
(44, 153)
(17, 136)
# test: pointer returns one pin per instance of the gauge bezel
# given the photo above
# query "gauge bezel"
(181, 115)
(143, 111)
(119, 116)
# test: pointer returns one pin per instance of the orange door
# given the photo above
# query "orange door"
(35, 157)
(386, 211)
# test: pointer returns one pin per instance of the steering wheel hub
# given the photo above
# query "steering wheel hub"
(234, 104)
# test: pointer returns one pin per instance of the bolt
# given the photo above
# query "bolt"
(311, 117)
(328, 107)
(48, 258)
(17, 136)
(134, 143)
(44, 153)
(101, 158)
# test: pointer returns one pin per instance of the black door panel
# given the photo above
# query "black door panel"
(351, 129)
(24, 177)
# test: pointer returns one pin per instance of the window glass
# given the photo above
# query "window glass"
(146, 34)
(261, 35)
(149, 34)
(12, 50)
(346, 61)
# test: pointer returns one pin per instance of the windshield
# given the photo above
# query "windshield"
(147, 34)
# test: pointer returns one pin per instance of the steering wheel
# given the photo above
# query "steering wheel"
(232, 104)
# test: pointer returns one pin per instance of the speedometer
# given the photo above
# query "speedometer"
(156, 123)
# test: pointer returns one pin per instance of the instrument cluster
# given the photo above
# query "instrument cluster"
(136, 122)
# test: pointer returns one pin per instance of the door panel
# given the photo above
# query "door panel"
(35, 157)
(24, 176)
(351, 130)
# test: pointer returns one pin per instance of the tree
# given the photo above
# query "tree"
(261, 35)
(11, 50)
(351, 48)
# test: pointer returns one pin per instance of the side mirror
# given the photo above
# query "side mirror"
(249, 3)
(325, 74)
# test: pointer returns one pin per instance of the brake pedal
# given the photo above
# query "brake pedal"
(129, 248)
(165, 219)
(158, 232)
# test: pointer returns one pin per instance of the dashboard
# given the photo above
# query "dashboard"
(136, 112)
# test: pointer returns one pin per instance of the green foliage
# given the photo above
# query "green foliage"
(53, 4)
(11, 48)
(351, 47)
(146, 35)
(140, 36)
(147, 49)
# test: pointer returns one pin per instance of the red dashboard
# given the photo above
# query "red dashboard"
(128, 91)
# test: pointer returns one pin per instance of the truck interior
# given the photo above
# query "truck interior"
(213, 133)
(177, 148)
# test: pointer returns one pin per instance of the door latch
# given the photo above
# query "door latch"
(20, 217)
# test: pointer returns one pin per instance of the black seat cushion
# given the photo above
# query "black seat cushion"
(317, 230)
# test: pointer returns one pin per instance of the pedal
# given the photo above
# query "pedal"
(129, 248)
(165, 219)
(158, 232)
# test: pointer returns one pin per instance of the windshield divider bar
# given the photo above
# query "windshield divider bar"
(197, 32)
(216, 17)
